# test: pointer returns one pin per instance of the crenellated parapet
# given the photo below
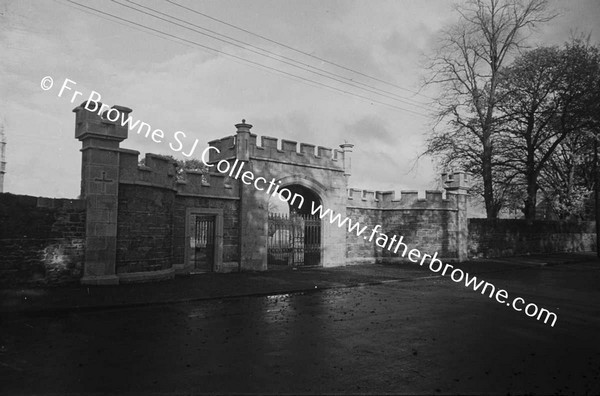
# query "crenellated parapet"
(212, 184)
(226, 147)
(157, 171)
(247, 146)
(370, 199)
(161, 172)
(456, 183)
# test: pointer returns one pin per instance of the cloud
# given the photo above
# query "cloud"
(175, 86)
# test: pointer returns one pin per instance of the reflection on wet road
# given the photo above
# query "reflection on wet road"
(427, 336)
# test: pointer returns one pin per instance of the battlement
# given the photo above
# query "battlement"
(211, 184)
(245, 145)
(407, 199)
(160, 171)
(289, 151)
(157, 171)
(431, 199)
(226, 147)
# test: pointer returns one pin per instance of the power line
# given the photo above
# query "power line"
(120, 23)
(269, 54)
(247, 60)
(178, 41)
(402, 98)
(297, 50)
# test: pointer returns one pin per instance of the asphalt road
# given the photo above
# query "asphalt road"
(428, 336)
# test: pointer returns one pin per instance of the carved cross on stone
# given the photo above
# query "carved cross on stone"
(103, 179)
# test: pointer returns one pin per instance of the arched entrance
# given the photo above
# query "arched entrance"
(294, 234)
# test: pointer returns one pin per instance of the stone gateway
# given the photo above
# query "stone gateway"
(254, 210)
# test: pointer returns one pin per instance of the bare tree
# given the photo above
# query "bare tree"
(467, 68)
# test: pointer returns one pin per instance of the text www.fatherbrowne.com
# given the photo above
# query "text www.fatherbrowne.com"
(393, 244)
(396, 244)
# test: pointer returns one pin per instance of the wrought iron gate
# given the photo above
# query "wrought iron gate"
(294, 240)
(203, 242)
(312, 240)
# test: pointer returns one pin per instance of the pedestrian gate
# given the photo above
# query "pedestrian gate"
(203, 242)
(294, 240)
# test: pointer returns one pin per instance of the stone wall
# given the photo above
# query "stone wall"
(42, 240)
(429, 231)
(358, 249)
(432, 224)
(510, 237)
(145, 229)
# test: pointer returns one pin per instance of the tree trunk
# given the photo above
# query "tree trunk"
(491, 208)
(530, 203)
(531, 200)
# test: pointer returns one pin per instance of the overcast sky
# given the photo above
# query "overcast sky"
(179, 85)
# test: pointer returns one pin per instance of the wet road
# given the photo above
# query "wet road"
(424, 336)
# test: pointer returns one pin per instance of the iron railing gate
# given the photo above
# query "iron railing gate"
(294, 240)
(203, 242)
(312, 240)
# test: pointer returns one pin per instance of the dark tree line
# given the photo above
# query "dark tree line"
(548, 110)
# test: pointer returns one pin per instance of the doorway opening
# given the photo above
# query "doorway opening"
(294, 234)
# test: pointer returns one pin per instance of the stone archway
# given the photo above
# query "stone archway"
(294, 236)
(279, 163)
